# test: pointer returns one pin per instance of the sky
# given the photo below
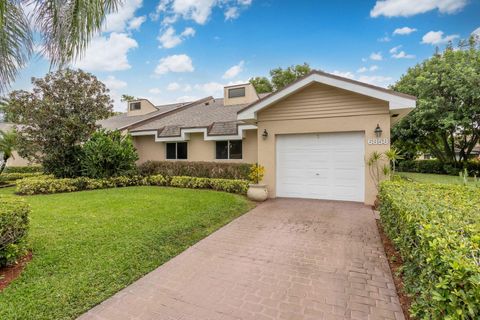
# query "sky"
(180, 50)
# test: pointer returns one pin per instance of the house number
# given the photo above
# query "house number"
(378, 141)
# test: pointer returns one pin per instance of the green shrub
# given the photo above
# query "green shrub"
(436, 166)
(436, 229)
(13, 228)
(108, 154)
(26, 169)
(48, 184)
(10, 177)
(227, 185)
(199, 169)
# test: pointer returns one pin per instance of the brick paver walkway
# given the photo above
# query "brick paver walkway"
(286, 259)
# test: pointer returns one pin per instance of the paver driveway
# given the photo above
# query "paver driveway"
(286, 259)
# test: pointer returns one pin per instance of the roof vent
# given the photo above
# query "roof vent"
(207, 103)
(395, 115)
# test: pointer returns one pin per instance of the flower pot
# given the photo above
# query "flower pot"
(257, 192)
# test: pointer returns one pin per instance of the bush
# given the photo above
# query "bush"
(108, 154)
(10, 177)
(48, 184)
(196, 169)
(227, 185)
(436, 166)
(27, 169)
(13, 228)
(436, 229)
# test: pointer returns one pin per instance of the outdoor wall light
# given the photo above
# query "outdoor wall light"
(378, 131)
(265, 134)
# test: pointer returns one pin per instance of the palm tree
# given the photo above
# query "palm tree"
(65, 27)
(7, 145)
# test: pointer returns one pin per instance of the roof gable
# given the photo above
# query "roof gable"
(395, 100)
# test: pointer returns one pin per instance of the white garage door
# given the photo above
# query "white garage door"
(321, 166)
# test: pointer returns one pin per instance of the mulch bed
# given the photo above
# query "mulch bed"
(10, 273)
(395, 262)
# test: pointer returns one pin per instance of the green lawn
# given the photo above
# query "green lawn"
(89, 245)
(437, 178)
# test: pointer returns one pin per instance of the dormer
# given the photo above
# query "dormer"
(139, 107)
(239, 94)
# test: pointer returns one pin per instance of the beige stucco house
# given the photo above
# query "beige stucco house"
(313, 137)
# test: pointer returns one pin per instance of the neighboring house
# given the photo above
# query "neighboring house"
(15, 160)
(312, 137)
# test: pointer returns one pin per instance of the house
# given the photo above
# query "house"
(313, 137)
(15, 160)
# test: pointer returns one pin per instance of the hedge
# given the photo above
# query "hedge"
(48, 184)
(13, 228)
(435, 166)
(26, 169)
(196, 169)
(436, 229)
(14, 176)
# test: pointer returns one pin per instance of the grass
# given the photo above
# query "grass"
(437, 178)
(89, 245)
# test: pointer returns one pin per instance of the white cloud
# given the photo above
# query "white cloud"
(107, 53)
(395, 49)
(376, 56)
(232, 13)
(136, 22)
(404, 31)
(155, 91)
(407, 8)
(197, 10)
(210, 88)
(173, 86)
(476, 32)
(174, 63)
(170, 39)
(113, 83)
(234, 71)
(371, 79)
(118, 21)
(402, 55)
(436, 37)
(385, 39)
(345, 74)
(187, 98)
(365, 69)
(381, 81)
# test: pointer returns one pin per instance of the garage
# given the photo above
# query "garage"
(327, 166)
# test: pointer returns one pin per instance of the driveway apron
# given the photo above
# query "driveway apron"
(285, 259)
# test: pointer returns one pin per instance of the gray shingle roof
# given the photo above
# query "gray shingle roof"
(123, 120)
(214, 115)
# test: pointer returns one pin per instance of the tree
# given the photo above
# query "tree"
(261, 84)
(446, 120)
(127, 98)
(7, 145)
(64, 27)
(280, 78)
(108, 154)
(57, 117)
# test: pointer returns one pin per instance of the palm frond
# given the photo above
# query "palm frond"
(68, 26)
(15, 41)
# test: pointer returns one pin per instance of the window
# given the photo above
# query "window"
(231, 149)
(135, 106)
(177, 150)
(236, 92)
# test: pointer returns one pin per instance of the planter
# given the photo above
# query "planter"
(257, 192)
